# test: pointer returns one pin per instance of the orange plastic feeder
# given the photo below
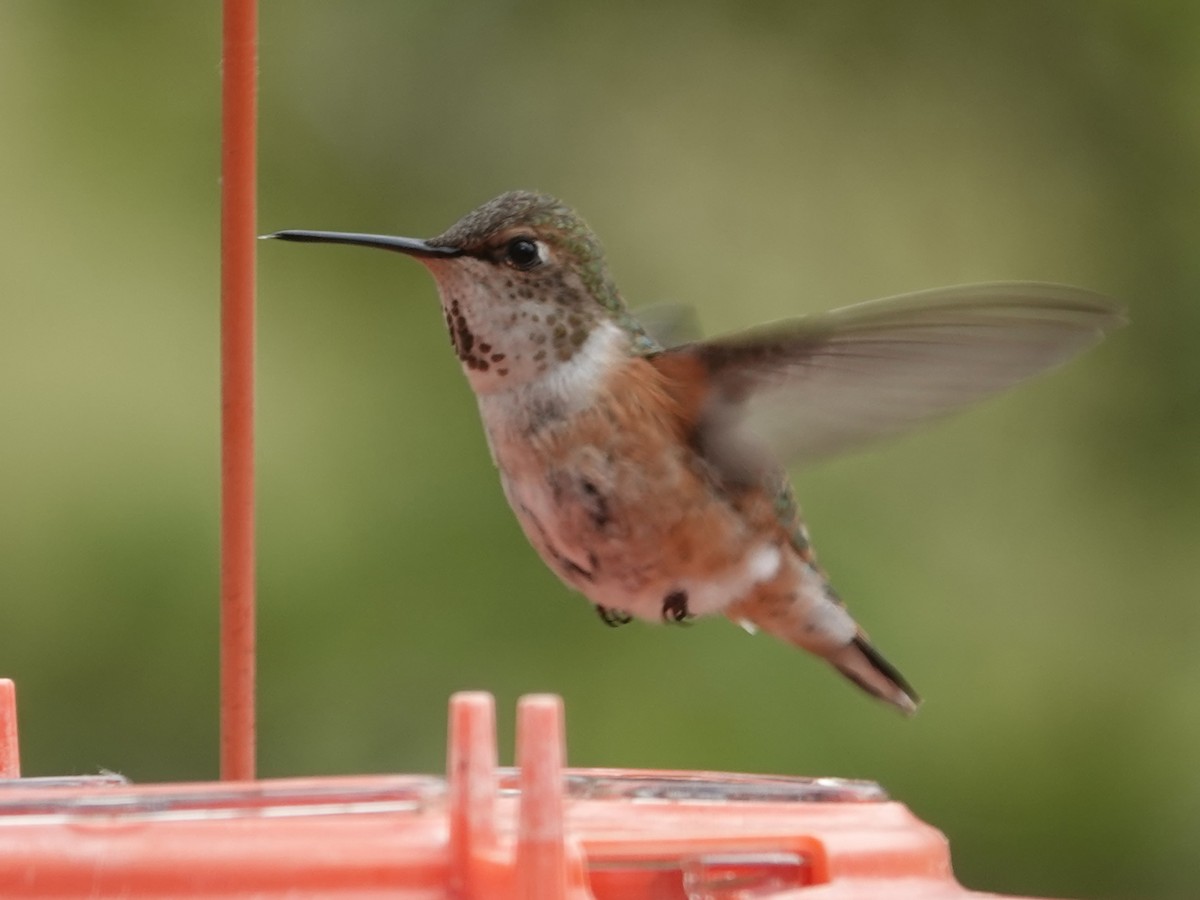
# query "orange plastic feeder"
(536, 832)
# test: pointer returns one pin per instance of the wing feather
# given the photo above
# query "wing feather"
(806, 388)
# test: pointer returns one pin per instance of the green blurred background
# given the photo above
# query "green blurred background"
(1032, 566)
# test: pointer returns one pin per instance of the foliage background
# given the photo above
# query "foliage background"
(1032, 566)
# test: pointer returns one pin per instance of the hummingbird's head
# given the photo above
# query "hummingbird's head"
(525, 289)
(522, 281)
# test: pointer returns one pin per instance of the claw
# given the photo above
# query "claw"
(675, 607)
(613, 617)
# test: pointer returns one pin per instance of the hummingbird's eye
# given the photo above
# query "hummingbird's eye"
(523, 253)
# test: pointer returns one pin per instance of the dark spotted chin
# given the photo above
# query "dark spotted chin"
(476, 354)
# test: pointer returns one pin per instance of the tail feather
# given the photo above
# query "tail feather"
(866, 667)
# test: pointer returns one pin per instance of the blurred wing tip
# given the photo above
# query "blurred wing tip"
(1053, 303)
(1067, 297)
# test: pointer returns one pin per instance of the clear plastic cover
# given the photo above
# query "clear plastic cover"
(712, 787)
(330, 796)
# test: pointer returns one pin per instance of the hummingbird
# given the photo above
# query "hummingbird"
(649, 475)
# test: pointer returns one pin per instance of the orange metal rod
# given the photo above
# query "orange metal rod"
(10, 757)
(238, 239)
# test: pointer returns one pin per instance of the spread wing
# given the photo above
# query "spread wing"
(806, 388)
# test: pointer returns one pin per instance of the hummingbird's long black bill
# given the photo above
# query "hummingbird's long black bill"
(410, 246)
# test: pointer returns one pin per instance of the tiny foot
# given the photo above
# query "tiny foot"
(675, 607)
(613, 617)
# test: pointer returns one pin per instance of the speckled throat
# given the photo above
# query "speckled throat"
(509, 327)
